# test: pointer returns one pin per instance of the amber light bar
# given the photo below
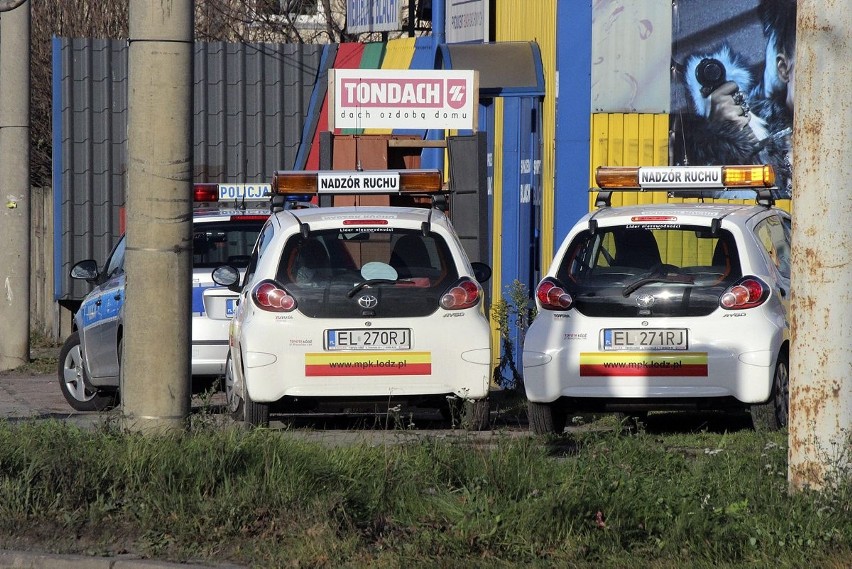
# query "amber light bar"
(685, 177)
(288, 182)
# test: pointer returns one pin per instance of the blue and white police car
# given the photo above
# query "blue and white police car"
(666, 305)
(226, 221)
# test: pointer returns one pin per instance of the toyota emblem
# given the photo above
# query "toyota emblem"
(368, 301)
(645, 300)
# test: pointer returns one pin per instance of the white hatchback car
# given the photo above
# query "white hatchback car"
(665, 306)
(363, 305)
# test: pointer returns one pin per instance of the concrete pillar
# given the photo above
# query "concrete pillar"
(14, 185)
(155, 369)
(821, 311)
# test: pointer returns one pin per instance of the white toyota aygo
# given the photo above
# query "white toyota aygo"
(665, 306)
(378, 305)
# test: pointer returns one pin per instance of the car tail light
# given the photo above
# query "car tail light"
(269, 296)
(748, 292)
(205, 192)
(552, 296)
(465, 293)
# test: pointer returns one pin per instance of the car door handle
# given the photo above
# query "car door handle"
(118, 297)
(98, 302)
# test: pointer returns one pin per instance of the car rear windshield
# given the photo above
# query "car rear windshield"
(404, 271)
(686, 268)
(223, 242)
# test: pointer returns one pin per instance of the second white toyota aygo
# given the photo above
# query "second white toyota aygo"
(368, 304)
(665, 306)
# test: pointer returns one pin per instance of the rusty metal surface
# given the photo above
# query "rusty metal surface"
(821, 309)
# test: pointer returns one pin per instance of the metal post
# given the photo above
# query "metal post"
(155, 369)
(14, 184)
(821, 311)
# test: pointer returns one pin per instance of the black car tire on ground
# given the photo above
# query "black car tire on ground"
(774, 414)
(476, 415)
(241, 407)
(74, 382)
(255, 414)
(546, 418)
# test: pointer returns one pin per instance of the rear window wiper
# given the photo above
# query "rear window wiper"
(657, 276)
(372, 282)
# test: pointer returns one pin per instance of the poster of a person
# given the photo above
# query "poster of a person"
(735, 104)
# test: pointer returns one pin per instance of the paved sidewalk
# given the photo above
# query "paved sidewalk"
(33, 396)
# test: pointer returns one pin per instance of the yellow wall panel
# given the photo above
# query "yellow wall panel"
(497, 229)
(628, 139)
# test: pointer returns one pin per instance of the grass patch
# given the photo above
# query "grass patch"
(263, 498)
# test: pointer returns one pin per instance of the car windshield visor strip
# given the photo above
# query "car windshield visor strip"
(701, 181)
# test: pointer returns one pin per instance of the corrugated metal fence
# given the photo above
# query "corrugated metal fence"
(250, 105)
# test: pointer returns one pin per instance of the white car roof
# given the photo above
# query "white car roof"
(330, 217)
(688, 213)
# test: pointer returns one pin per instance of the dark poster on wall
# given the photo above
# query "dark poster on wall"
(733, 83)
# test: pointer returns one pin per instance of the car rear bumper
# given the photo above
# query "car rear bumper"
(559, 362)
(288, 359)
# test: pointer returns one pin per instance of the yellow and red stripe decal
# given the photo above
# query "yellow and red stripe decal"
(643, 364)
(368, 363)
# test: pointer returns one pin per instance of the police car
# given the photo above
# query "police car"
(665, 306)
(358, 305)
(226, 221)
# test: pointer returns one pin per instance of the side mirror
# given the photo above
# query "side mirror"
(227, 276)
(85, 270)
(481, 271)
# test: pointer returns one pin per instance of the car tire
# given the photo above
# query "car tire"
(546, 418)
(74, 382)
(239, 404)
(233, 400)
(255, 414)
(476, 415)
(775, 413)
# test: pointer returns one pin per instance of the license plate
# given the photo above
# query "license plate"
(368, 339)
(230, 307)
(644, 339)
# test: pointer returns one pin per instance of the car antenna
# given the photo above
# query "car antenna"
(245, 190)
(304, 228)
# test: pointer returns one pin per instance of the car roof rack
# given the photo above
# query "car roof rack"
(686, 181)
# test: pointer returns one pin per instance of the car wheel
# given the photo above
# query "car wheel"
(240, 405)
(775, 413)
(546, 418)
(476, 415)
(233, 392)
(255, 414)
(74, 382)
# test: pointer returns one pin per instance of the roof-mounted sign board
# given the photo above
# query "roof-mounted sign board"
(466, 20)
(403, 99)
(364, 16)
